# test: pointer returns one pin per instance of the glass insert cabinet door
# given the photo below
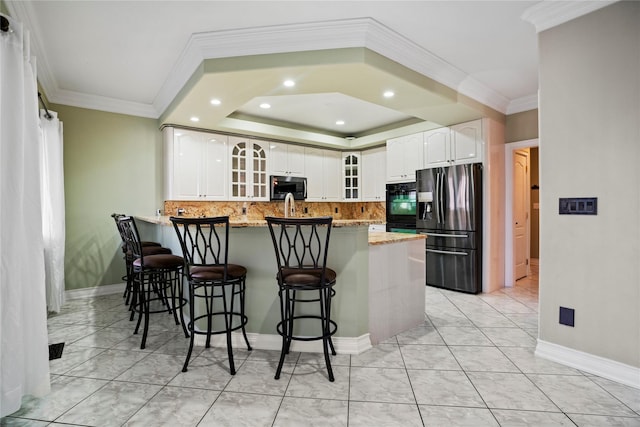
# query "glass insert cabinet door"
(248, 170)
(351, 172)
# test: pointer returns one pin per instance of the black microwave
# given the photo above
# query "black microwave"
(281, 185)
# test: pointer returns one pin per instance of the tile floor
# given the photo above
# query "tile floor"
(470, 364)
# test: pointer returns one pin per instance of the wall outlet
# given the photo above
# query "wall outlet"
(567, 316)
(336, 210)
(306, 210)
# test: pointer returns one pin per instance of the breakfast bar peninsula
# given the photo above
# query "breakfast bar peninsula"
(380, 289)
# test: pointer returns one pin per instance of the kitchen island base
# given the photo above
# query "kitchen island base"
(369, 278)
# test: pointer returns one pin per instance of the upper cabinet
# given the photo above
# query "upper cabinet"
(456, 145)
(196, 167)
(324, 173)
(248, 164)
(404, 157)
(437, 148)
(351, 173)
(467, 144)
(373, 180)
(286, 159)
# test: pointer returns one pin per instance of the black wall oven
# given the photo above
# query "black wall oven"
(401, 207)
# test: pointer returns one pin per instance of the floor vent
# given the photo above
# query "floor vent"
(55, 351)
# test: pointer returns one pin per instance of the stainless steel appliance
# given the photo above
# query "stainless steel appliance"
(401, 207)
(281, 185)
(449, 212)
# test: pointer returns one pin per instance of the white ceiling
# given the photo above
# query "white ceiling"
(166, 60)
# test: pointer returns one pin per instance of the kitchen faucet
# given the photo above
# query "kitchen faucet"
(289, 206)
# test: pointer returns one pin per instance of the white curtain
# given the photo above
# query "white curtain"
(24, 351)
(53, 226)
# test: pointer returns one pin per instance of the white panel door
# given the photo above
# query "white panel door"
(520, 213)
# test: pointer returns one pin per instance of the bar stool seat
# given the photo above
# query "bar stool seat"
(305, 277)
(234, 271)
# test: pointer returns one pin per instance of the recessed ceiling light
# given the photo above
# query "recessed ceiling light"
(339, 122)
(215, 102)
(289, 83)
(388, 94)
(194, 119)
(265, 105)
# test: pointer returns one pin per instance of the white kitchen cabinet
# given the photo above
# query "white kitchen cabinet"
(467, 144)
(351, 173)
(456, 145)
(404, 157)
(197, 169)
(324, 173)
(286, 159)
(248, 167)
(374, 164)
(437, 148)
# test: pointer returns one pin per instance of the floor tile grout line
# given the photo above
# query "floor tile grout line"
(413, 391)
(612, 395)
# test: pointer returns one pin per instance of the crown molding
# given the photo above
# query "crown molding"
(525, 103)
(103, 103)
(548, 14)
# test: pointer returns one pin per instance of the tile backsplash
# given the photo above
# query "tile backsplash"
(258, 210)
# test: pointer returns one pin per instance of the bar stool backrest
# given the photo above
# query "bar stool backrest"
(300, 243)
(130, 236)
(204, 241)
(116, 217)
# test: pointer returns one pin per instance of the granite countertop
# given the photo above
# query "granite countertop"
(235, 222)
(383, 237)
(375, 237)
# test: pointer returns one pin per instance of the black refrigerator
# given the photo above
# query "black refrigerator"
(449, 212)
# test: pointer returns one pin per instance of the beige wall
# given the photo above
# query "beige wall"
(112, 163)
(521, 126)
(590, 146)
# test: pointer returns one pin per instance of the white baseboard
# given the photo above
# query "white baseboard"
(343, 345)
(596, 365)
(95, 291)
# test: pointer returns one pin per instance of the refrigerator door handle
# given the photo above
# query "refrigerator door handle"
(442, 207)
(441, 197)
(437, 197)
(435, 251)
(445, 235)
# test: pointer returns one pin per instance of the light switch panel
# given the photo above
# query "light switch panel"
(578, 206)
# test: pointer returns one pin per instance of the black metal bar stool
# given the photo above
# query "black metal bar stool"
(156, 279)
(301, 246)
(148, 248)
(218, 285)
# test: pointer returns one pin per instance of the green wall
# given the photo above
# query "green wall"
(112, 163)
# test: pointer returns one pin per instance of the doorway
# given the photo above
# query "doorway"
(521, 205)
